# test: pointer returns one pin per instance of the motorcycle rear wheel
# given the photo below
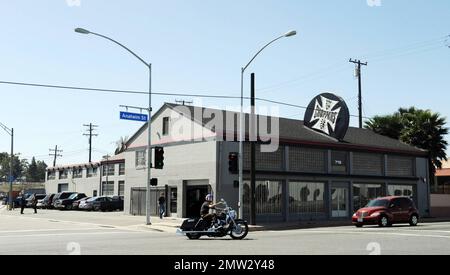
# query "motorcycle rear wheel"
(239, 230)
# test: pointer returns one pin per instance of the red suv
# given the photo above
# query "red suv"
(386, 212)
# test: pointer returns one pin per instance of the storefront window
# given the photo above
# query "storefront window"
(363, 193)
(401, 190)
(306, 197)
(268, 197)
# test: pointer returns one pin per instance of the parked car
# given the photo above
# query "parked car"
(59, 197)
(100, 204)
(76, 204)
(31, 198)
(386, 212)
(48, 202)
(66, 204)
(117, 203)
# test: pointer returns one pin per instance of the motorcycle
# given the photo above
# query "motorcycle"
(225, 224)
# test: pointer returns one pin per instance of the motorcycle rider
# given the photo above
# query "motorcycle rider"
(206, 207)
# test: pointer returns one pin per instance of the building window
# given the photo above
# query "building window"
(121, 169)
(368, 164)
(442, 186)
(173, 200)
(398, 166)
(91, 172)
(108, 188)
(140, 158)
(77, 173)
(401, 190)
(109, 170)
(165, 129)
(51, 175)
(339, 162)
(307, 160)
(63, 174)
(268, 197)
(273, 161)
(363, 193)
(306, 197)
(121, 188)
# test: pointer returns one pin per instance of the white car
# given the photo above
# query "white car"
(40, 204)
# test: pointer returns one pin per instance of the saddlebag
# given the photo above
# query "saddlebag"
(189, 225)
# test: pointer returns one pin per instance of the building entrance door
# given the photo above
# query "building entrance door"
(195, 197)
(340, 202)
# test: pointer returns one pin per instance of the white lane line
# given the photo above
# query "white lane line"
(67, 234)
(374, 233)
(47, 230)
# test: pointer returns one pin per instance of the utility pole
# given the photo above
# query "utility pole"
(55, 153)
(253, 139)
(90, 134)
(358, 74)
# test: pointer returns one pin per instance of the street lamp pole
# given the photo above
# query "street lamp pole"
(149, 151)
(242, 121)
(11, 133)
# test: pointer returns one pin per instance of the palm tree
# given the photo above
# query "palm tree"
(421, 128)
(121, 145)
(427, 130)
(390, 125)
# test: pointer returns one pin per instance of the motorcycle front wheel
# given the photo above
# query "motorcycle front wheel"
(239, 230)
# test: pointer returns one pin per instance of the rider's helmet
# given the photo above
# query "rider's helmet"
(209, 197)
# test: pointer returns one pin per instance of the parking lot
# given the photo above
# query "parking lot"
(73, 232)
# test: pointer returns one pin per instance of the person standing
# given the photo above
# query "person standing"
(162, 205)
(34, 203)
(23, 202)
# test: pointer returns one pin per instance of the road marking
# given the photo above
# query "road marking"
(373, 233)
(66, 234)
(48, 230)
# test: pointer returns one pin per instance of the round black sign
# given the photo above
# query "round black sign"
(328, 114)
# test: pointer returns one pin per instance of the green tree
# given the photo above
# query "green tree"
(421, 128)
(32, 171)
(5, 164)
(41, 170)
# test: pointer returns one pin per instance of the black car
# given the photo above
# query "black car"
(48, 201)
(67, 204)
(59, 197)
(117, 203)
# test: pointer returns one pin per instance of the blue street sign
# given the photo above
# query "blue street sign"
(133, 116)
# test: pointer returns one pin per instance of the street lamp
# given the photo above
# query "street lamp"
(149, 151)
(242, 121)
(11, 133)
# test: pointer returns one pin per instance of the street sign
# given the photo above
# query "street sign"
(133, 116)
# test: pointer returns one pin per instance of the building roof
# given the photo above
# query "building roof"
(294, 131)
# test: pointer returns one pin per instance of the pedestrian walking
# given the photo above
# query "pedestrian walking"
(162, 205)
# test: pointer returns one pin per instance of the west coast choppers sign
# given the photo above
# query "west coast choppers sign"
(328, 114)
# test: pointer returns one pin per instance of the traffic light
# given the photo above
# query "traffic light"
(159, 158)
(154, 182)
(233, 159)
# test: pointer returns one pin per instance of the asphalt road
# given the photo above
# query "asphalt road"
(118, 234)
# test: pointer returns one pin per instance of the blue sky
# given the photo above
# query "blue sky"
(198, 47)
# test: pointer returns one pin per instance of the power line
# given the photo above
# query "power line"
(158, 93)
